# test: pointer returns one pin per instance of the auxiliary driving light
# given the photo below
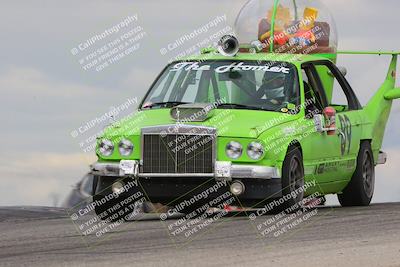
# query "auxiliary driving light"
(118, 187)
(237, 188)
(234, 149)
(106, 147)
(125, 147)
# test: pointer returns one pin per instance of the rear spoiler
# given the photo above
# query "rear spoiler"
(391, 75)
(379, 53)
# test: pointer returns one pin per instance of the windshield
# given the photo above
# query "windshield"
(271, 86)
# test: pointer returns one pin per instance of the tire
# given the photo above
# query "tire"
(292, 180)
(360, 190)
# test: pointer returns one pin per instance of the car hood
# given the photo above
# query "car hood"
(228, 122)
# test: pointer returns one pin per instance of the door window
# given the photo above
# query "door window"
(338, 91)
(315, 99)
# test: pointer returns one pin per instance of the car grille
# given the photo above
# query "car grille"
(180, 153)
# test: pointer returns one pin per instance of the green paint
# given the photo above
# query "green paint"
(368, 53)
(328, 159)
(271, 38)
(393, 94)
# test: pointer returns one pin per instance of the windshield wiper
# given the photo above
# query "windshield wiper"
(239, 106)
(165, 104)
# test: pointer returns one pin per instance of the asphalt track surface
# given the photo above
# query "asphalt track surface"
(367, 236)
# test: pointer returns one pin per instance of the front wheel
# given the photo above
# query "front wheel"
(360, 190)
(292, 180)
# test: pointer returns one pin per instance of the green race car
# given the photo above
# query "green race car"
(260, 126)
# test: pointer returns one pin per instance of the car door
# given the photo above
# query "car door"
(344, 145)
(317, 147)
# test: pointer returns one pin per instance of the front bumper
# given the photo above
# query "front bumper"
(261, 182)
(224, 171)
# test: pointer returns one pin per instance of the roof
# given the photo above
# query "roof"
(290, 58)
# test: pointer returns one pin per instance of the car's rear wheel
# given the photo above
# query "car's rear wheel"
(360, 190)
(292, 180)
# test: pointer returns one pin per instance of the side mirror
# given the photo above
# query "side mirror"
(393, 94)
(326, 122)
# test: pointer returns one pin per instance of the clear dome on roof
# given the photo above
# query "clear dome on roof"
(290, 26)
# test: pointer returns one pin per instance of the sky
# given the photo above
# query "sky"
(50, 87)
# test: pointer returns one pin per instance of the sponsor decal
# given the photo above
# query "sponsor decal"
(346, 137)
(335, 166)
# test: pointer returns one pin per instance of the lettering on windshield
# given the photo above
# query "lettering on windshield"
(236, 66)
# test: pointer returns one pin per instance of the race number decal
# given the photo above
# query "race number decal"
(346, 137)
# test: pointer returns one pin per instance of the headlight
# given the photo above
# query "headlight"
(125, 147)
(255, 150)
(234, 150)
(106, 147)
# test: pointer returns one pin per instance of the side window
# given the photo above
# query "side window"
(315, 99)
(338, 96)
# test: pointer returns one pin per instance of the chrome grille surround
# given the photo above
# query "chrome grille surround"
(178, 149)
